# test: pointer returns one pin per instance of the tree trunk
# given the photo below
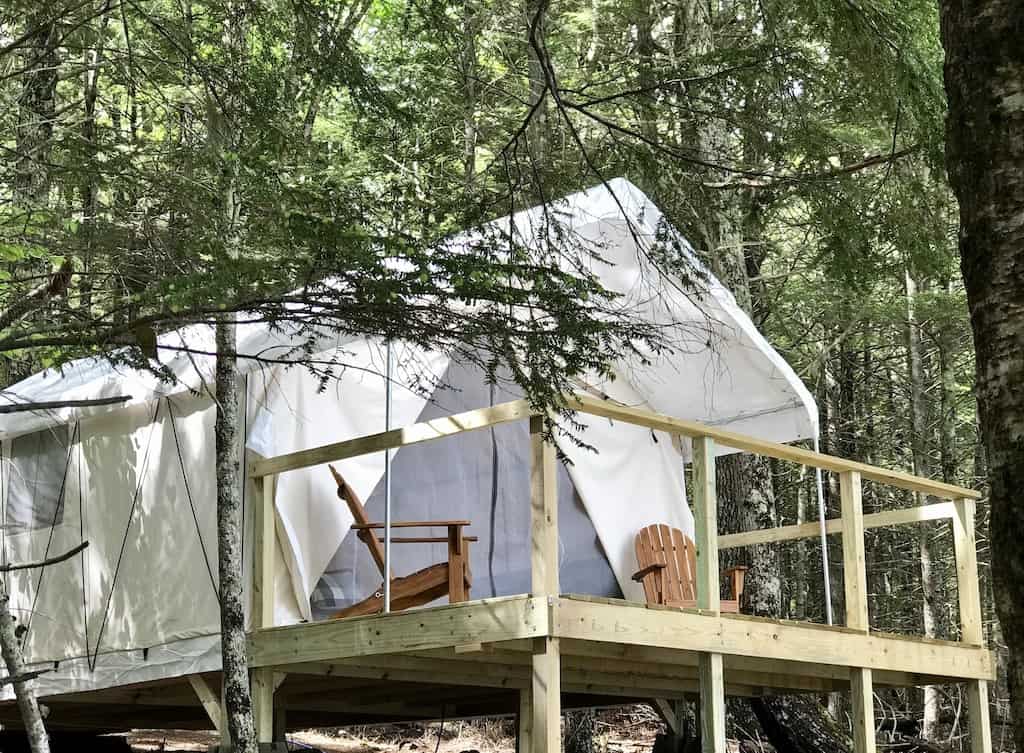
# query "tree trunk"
(536, 133)
(984, 78)
(469, 74)
(795, 724)
(237, 698)
(226, 117)
(919, 414)
(24, 692)
(37, 107)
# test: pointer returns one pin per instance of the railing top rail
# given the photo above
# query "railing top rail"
(520, 409)
(406, 435)
(608, 409)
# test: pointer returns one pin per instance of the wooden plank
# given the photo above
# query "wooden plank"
(486, 620)
(262, 680)
(669, 711)
(767, 639)
(420, 670)
(712, 703)
(748, 670)
(978, 716)
(524, 730)
(937, 511)
(972, 629)
(609, 409)
(543, 513)
(408, 435)
(855, 579)
(862, 710)
(705, 513)
(546, 697)
(456, 565)
(264, 517)
(263, 704)
(208, 698)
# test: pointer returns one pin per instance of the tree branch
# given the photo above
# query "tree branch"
(12, 566)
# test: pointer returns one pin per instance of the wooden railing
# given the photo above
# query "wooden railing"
(851, 525)
(959, 508)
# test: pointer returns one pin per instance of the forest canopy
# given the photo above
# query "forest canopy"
(168, 161)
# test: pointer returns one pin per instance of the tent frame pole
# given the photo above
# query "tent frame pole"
(387, 482)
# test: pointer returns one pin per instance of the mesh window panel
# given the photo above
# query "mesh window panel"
(36, 473)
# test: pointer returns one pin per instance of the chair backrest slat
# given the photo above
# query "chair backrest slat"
(355, 506)
(673, 586)
(646, 555)
(687, 559)
(662, 544)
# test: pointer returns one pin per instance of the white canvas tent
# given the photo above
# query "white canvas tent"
(136, 479)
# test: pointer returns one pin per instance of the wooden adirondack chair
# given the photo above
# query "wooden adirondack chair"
(668, 569)
(451, 578)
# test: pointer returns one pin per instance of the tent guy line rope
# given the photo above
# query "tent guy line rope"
(124, 540)
(191, 501)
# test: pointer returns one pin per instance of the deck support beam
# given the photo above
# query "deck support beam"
(544, 731)
(524, 721)
(262, 682)
(855, 580)
(972, 629)
(209, 699)
(710, 666)
(862, 707)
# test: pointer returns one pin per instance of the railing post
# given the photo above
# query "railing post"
(262, 683)
(544, 698)
(855, 581)
(705, 508)
(855, 577)
(972, 629)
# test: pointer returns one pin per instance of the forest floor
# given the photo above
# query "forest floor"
(621, 731)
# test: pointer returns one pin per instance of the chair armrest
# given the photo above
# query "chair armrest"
(413, 524)
(639, 575)
(736, 577)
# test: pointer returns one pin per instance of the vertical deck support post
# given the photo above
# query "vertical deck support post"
(543, 734)
(855, 581)
(262, 682)
(971, 624)
(712, 679)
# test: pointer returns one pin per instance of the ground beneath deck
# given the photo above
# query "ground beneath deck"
(618, 731)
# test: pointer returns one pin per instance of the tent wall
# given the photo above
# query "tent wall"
(141, 598)
(483, 477)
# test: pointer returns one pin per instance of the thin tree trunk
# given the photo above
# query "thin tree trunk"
(34, 137)
(225, 131)
(984, 78)
(24, 692)
(536, 134)
(922, 467)
(469, 74)
(237, 698)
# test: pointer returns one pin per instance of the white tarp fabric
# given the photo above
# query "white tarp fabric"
(145, 580)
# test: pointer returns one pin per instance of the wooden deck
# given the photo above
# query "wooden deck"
(535, 654)
(475, 658)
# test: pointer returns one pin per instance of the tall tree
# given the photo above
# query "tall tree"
(984, 77)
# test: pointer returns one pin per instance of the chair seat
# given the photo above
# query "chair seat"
(417, 589)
